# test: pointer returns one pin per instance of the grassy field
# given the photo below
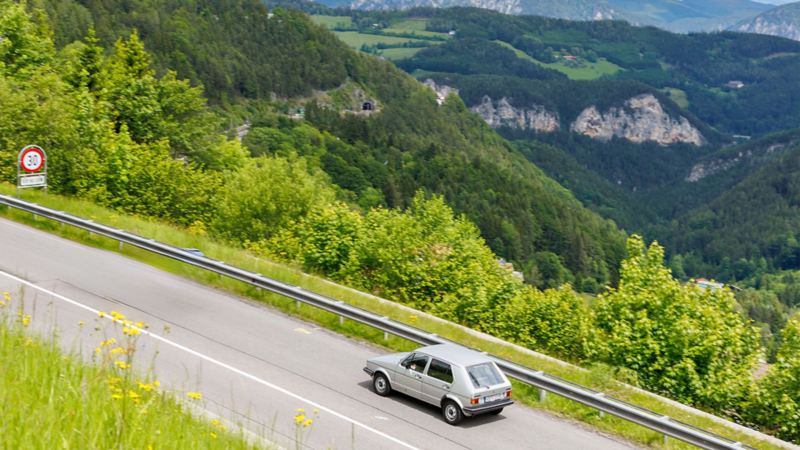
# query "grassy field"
(598, 378)
(578, 70)
(355, 39)
(416, 26)
(52, 400)
(332, 21)
(395, 54)
(678, 96)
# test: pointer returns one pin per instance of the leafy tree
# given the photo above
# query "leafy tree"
(778, 400)
(267, 194)
(27, 44)
(555, 321)
(683, 341)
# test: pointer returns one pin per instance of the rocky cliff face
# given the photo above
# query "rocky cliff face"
(717, 165)
(781, 21)
(441, 90)
(501, 113)
(642, 119)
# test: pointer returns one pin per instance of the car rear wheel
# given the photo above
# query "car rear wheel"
(381, 385)
(452, 412)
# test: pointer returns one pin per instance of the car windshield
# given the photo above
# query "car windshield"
(484, 375)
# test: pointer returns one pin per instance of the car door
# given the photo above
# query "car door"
(409, 374)
(436, 381)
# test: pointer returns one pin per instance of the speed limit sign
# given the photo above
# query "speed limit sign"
(32, 168)
(31, 159)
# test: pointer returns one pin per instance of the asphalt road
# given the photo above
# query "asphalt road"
(253, 365)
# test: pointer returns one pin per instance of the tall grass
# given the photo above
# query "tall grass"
(600, 378)
(54, 400)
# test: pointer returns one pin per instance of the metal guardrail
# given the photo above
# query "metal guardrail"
(657, 422)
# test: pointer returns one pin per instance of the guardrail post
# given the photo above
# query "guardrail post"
(385, 335)
(120, 245)
(297, 304)
(542, 395)
(341, 320)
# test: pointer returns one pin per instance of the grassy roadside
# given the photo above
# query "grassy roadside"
(596, 379)
(53, 400)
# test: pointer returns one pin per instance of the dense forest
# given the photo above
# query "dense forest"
(699, 64)
(382, 158)
(125, 131)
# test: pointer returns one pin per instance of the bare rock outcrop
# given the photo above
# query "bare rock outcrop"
(642, 119)
(502, 113)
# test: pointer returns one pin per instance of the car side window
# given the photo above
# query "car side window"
(441, 371)
(416, 362)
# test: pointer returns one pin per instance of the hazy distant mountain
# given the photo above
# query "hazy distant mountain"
(675, 15)
(781, 21)
(688, 15)
(565, 9)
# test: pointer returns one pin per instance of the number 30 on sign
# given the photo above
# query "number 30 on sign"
(31, 159)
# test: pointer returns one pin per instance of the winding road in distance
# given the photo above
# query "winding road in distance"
(252, 364)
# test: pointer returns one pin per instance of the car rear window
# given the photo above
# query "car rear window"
(484, 375)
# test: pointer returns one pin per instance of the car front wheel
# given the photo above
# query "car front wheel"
(381, 385)
(452, 412)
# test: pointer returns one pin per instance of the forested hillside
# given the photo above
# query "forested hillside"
(382, 158)
(339, 194)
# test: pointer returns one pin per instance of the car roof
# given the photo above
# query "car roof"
(455, 354)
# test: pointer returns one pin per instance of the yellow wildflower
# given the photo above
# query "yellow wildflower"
(300, 410)
(213, 435)
(131, 331)
(81, 323)
(307, 423)
(113, 380)
(156, 383)
(194, 395)
(101, 314)
(117, 316)
(26, 319)
(413, 319)
(141, 324)
(108, 342)
(118, 350)
(298, 419)
(7, 296)
(122, 365)
(134, 395)
(98, 350)
(147, 387)
(116, 396)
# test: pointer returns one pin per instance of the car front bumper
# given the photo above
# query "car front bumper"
(483, 409)
(369, 371)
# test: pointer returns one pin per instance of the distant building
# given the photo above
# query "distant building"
(734, 84)
(708, 284)
(570, 58)
(510, 267)
(452, 32)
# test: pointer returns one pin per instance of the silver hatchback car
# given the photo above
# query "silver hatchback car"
(462, 382)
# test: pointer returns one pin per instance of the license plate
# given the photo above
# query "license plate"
(492, 398)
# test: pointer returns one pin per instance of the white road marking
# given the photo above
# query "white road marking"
(302, 330)
(213, 361)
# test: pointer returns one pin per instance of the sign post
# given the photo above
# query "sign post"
(31, 168)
